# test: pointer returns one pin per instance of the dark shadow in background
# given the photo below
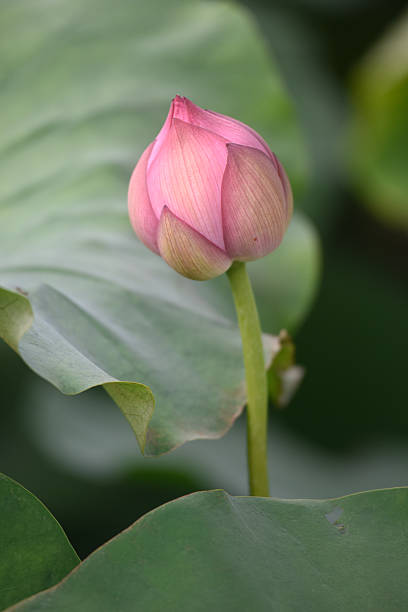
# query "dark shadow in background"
(354, 342)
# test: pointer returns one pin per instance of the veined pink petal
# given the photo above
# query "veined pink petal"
(253, 204)
(286, 187)
(186, 176)
(161, 136)
(187, 251)
(141, 214)
(231, 129)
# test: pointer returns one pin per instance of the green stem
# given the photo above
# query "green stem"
(257, 391)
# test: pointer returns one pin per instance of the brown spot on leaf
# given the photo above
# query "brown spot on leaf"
(20, 290)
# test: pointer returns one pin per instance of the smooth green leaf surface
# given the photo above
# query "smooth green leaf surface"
(211, 551)
(379, 137)
(34, 551)
(85, 88)
(285, 282)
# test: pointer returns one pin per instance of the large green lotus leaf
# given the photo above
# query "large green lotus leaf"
(211, 551)
(35, 552)
(85, 87)
(379, 137)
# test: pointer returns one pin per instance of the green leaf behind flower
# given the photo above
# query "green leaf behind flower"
(85, 89)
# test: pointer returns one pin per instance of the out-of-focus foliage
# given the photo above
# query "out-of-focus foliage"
(285, 282)
(316, 95)
(284, 375)
(79, 456)
(378, 148)
(354, 342)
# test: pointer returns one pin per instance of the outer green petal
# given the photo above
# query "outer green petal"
(188, 251)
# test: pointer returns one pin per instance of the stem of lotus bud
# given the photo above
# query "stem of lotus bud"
(256, 382)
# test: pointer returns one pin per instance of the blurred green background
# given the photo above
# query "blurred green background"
(347, 427)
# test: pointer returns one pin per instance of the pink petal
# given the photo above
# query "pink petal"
(141, 214)
(254, 207)
(231, 129)
(286, 187)
(187, 251)
(186, 176)
(161, 136)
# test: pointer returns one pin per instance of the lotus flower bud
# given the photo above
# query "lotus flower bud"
(208, 191)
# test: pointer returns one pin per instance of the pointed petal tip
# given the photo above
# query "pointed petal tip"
(177, 100)
(185, 109)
